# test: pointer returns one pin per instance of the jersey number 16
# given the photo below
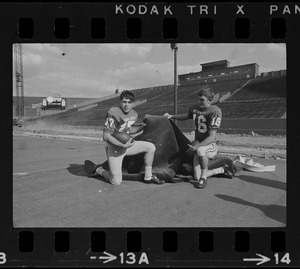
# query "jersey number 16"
(202, 126)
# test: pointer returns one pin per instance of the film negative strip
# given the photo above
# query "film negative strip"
(53, 214)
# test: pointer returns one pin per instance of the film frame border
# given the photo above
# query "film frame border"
(187, 253)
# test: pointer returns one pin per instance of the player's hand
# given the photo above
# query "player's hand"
(128, 144)
(168, 115)
(136, 129)
(191, 150)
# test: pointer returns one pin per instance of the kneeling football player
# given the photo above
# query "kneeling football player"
(121, 119)
(207, 119)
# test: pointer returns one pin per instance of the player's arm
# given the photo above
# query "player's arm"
(177, 117)
(107, 137)
(180, 117)
(136, 129)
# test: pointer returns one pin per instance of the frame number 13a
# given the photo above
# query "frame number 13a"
(130, 258)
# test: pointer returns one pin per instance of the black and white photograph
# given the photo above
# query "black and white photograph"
(149, 135)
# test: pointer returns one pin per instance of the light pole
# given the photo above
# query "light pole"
(159, 77)
(175, 48)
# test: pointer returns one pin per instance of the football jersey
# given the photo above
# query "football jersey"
(117, 121)
(205, 120)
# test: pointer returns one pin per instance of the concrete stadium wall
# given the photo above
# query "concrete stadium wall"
(244, 126)
(241, 71)
(273, 73)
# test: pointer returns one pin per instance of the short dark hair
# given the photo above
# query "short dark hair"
(127, 94)
(208, 93)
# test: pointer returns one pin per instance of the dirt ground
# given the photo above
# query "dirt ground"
(252, 144)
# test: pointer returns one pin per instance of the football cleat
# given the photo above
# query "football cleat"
(90, 168)
(228, 172)
(155, 180)
(201, 183)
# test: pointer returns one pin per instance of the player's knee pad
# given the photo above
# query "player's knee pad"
(201, 152)
(151, 147)
(116, 179)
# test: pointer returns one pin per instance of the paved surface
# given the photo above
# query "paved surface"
(51, 189)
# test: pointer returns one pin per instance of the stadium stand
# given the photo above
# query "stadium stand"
(273, 108)
(242, 97)
(262, 88)
(186, 94)
(261, 98)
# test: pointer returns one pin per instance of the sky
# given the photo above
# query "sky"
(97, 70)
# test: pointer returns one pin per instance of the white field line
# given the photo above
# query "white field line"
(63, 137)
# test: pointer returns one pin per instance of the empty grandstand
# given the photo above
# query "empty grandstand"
(252, 102)
(260, 98)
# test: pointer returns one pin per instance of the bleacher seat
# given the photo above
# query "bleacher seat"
(259, 98)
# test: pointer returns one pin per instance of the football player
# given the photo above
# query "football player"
(207, 119)
(121, 119)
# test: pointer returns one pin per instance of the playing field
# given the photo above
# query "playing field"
(51, 189)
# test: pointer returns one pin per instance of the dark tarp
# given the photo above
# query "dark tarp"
(171, 145)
